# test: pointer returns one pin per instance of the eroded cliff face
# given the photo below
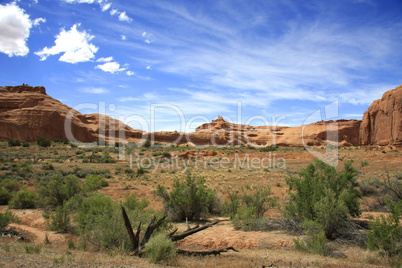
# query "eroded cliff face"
(27, 113)
(382, 122)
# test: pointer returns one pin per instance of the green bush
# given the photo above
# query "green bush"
(318, 187)
(231, 206)
(43, 142)
(14, 143)
(159, 248)
(386, 232)
(6, 218)
(189, 199)
(24, 199)
(132, 203)
(60, 220)
(25, 144)
(93, 183)
(100, 221)
(259, 200)
(315, 242)
(147, 144)
(5, 196)
(59, 189)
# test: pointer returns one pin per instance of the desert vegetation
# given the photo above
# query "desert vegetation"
(78, 193)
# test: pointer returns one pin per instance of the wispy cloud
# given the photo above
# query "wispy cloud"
(94, 90)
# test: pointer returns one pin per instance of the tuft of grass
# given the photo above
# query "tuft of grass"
(32, 249)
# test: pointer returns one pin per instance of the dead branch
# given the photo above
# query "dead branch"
(133, 237)
(151, 228)
(196, 229)
(205, 252)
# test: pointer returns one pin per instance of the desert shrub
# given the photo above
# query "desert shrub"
(331, 212)
(259, 200)
(5, 196)
(6, 218)
(391, 187)
(24, 199)
(140, 171)
(43, 142)
(60, 220)
(316, 241)
(146, 144)
(25, 144)
(270, 148)
(159, 248)
(132, 203)
(319, 186)
(83, 173)
(13, 142)
(231, 206)
(47, 166)
(189, 199)
(386, 232)
(247, 213)
(364, 163)
(93, 183)
(118, 144)
(59, 189)
(100, 221)
(58, 140)
(369, 186)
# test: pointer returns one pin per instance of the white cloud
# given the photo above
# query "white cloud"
(130, 73)
(74, 45)
(148, 67)
(123, 17)
(148, 37)
(95, 90)
(113, 12)
(104, 59)
(123, 37)
(110, 67)
(37, 21)
(15, 28)
(106, 6)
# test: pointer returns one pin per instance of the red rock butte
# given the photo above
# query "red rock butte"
(28, 113)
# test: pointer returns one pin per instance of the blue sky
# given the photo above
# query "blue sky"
(190, 61)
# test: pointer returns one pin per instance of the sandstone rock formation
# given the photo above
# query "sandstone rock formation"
(382, 122)
(26, 113)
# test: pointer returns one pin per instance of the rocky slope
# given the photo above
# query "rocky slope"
(26, 113)
(382, 122)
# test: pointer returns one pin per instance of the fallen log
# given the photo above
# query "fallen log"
(196, 229)
(205, 252)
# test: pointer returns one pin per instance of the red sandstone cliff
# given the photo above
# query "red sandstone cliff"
(382, 122)
(26, 113)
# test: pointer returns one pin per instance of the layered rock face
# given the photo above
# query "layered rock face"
(382, 122)
(27, 113)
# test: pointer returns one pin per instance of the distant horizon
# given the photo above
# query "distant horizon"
(206, 58)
